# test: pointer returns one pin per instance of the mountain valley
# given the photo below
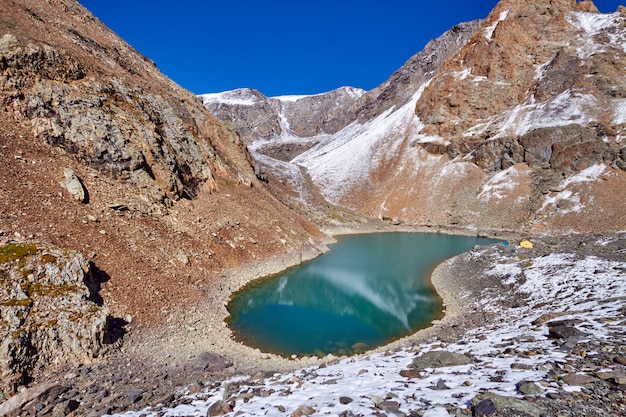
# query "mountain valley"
(135, 208)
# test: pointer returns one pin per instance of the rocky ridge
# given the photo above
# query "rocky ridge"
(494, 133)
(293, 118)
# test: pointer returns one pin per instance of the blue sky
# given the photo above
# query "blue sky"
(284, 47)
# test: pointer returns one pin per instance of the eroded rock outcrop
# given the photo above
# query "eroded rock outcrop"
(50, 312)
(539, 84)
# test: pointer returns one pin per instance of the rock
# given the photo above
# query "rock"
(14, 404)
(501, 402)
(303, 410)
(545, 318)
(212, 362)
(388, 405)
(441, 385)
(345, 400)
(218, 408)
(529, 388)
(377, 399)
(484, 408)
(621, 360)
(47, 315)
(183, 258)
(410, 373)
(564, 332)
(439, 359)
(74, 185)
(578, 379)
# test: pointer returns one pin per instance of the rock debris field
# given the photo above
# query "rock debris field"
(528, 332)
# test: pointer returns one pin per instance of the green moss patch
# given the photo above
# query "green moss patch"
(13, 252)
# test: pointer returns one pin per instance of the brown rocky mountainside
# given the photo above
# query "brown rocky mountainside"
(511, 123)
(170, 197)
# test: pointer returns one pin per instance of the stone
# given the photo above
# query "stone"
(501, 402)
(439, 359)
(621, 360)
(484, 408)
(303, 410)
(578, 379)
(218, 408)
(388, 405)
(410, 373)
(619, 379)
(345, 400)
(545, 318)
(564, 332)
(15, 403)
(377, 399)
(212, 362)
(74, 185)
(529, 388)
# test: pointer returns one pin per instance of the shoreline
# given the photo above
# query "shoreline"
(203, 327)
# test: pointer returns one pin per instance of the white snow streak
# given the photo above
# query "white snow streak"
(500, 184)
(593, 24)
(488, 31)
(591, 174)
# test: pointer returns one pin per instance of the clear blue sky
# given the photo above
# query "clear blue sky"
(284, 47)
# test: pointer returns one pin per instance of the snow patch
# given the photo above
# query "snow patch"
(592, 24)
(233, 98)
(499, 186)
(346, 160)
(569, 107)
(488, 31)
(590, 174)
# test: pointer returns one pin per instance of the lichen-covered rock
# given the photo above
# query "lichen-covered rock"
(48, 311)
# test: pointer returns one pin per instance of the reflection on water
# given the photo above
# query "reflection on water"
(368, 290)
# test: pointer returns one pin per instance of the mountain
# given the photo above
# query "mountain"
(511, 123)
(103, 154)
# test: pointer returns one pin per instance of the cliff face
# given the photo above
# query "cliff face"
(74, 85)
(539, 84)
(515, 122)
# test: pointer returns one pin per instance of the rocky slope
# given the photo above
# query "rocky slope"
(517, 125)
(102, 154)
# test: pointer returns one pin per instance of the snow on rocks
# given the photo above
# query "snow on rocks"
(513, 361)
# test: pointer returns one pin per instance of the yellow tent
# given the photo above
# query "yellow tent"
(526, 244)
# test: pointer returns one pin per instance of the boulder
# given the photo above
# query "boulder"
(74, 185)
(212, 362)
(439, 359)
(489, 404)
(48, 315)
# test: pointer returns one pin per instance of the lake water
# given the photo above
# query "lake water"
(368, 290)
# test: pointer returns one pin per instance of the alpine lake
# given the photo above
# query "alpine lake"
(367, 291)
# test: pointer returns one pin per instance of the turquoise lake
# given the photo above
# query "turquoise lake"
(368, 290)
